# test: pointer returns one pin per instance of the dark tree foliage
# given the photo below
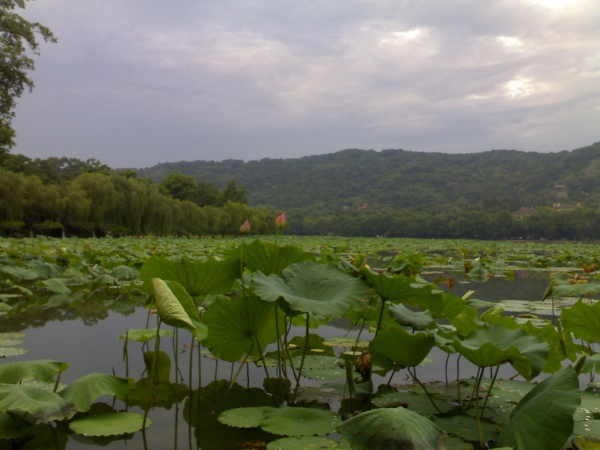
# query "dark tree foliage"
(18, 39)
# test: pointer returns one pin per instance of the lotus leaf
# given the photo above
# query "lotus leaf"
(40, 370)
(293, 421)
(544, 417)
(8, 428)
(414, 319)
(269, 258)
(467, 428)
(248, 417)
(236, 324)
(392, 428)
(310, 287)
(576, 290)
(110, 424)
(305, 442)
(496, 345)
(6, 352)
(176, 308)
(87, 389)
(42, 404)
(397, 346)
(143, 334)
(199, 278)
(56, 285)
(124, 273)
(583, 321)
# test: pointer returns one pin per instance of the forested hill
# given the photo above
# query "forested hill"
(398, 180)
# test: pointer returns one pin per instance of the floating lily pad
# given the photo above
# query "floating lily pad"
(12, 351)
(248, 417)
(292, 421)
(305, 442)
(144, 334)
(346, 342)
(109, 424)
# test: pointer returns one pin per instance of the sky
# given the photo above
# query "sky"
(134, 83)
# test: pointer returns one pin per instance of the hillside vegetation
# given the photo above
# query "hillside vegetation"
(397, 192)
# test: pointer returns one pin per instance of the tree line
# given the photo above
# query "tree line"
(66, 196)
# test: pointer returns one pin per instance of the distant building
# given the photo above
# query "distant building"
(523, 211)
(566, 206)
(363, 206)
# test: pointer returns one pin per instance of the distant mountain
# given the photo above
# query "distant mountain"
(404, 181)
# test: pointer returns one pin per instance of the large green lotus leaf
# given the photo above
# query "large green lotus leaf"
(495, 345)
(310, 287)
(42, 404)
(56, 285)
(576, 290)
(467, 428)
(401, 289)
(398, 288)
(392, 428)
(110, 424)
(245, 417)
(400, 347)
(47, 270)
(305, 442)
(544, 417)
(235, 324)
(40, 370)
(87, 389)
(176, 307)
(124, 273)
(592, 363)
(583, 321)
(268, 257)
(293, 421)
(199, 278)
(317, 367)
(21, 273)
(143, 334)
(414, 319)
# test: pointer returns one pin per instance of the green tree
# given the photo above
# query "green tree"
(18, 38)
(234, 193)
(180, 186)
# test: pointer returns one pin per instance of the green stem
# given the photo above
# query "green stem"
(458, 382)
(489, 390)
(414, 376)
(380, 316)
(359, 333)
(303, 356)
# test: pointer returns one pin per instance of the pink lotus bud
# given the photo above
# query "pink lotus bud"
(280, 221)
(245, 228)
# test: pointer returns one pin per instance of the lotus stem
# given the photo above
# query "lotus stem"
(489, 390)
(199, 362)
(303, 356)
(287, 349)
(475, 391)
(380, 316)
(191, 364)
(414, 376)
(458, 382)
(446, 368)
(394, 370)
(264, 364)
(233, 378)
(359, 333)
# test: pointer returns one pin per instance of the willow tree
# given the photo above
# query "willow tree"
(18, 41)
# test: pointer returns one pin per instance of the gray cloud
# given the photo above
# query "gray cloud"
(139, 82)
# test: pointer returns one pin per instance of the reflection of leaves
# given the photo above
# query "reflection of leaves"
(203, 407)
(164, 395)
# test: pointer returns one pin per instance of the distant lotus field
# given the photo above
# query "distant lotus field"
(291, 342)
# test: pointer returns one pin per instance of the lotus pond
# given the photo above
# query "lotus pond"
(296, 343)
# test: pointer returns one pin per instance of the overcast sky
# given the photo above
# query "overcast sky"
(138, 82)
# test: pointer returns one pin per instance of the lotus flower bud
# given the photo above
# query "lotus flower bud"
(245, 228)
(280, 221)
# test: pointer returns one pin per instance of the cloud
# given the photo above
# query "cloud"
(138, 82)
